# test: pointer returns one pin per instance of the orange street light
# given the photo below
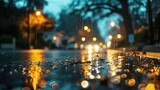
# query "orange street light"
(38, 13)
(119, 36)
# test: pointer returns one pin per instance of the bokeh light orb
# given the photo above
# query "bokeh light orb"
(42, 84)
(86, 28)
(54, 85)
(48, 71)
(85, 84)
(131, 82)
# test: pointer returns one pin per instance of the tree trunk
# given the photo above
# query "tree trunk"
(151, 32)
(128, 26)
(127, 19)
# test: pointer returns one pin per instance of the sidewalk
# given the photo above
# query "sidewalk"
(155, 55)
(152, 48)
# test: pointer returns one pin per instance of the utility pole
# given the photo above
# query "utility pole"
(28, 29)
(151, 32)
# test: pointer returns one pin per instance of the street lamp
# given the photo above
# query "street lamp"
(112, 24)
(110, 37)
(119, 36)
(38, 13)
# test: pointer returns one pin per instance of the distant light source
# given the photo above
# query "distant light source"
(90, 47)
(109, 44)
(112, 24)
(94, 39)
(54, 38)
(38, 13)
(86, 28)
(75, 45)
(83, 39)
(91, 76)
(81, 46)
(110, 37)
(119, 36)
(96, 47)
(104, 46)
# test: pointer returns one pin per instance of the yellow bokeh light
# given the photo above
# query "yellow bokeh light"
(94, 39)
(104, 46)
(131, 82)
(83, 39)
(100, 44)
(124, 75)
(150, 86)
(86, 28)
(91, 76)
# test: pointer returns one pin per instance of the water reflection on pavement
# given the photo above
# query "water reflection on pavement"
(77, 70)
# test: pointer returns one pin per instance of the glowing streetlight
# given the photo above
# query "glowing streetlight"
(38, 13)
(119, 36)
(110, 37)
(86, 28)
(83, 39)
(94, 39)
(112, 24)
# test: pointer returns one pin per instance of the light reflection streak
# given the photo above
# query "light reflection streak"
(91, 70)
(115, 63)
(35, 69)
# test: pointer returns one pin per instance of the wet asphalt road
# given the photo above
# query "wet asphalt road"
(77, 70)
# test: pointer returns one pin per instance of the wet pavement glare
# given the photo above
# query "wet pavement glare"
(77, 70)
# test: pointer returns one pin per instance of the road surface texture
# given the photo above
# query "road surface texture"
(77, 70)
